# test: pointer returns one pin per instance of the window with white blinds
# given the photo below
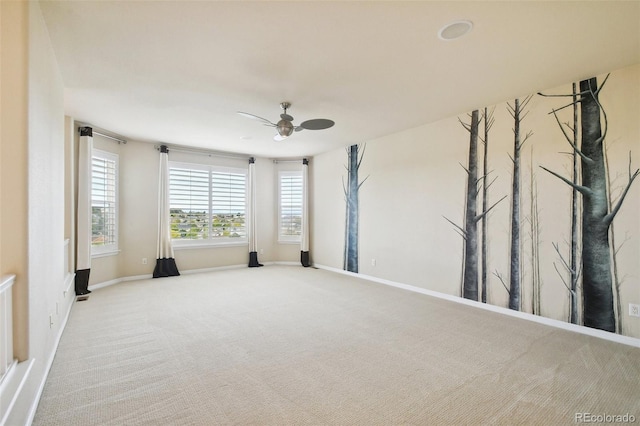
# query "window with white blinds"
(290, 215)
(207, 204)
(104, 202)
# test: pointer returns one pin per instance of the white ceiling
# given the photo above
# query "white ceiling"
(178, 71)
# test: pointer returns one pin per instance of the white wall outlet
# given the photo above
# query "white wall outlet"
(373, 262)
(261, 251)
(634, 310)
(50, 321)
(144, 260)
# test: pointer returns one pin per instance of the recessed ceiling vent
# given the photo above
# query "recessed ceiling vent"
(455, 30)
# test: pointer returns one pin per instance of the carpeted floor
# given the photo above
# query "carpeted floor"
(288, 345)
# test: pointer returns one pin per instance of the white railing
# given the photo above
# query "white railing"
(6, 324)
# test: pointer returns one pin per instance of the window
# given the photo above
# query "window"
(104, 202)
(290, 215)
(207, 204)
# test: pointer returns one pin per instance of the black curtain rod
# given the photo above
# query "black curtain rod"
(110, 137)
(94, 132)
(296, 160)
(206, 152)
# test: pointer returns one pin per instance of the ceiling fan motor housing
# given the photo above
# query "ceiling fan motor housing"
(285, 128)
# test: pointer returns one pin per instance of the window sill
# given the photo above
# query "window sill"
(105, 253)
(289, 242)
(201, 245)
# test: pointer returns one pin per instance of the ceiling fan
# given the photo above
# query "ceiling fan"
(285, 126)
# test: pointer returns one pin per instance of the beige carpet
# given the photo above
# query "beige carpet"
(289, 345)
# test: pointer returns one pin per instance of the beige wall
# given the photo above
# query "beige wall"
(138, 177)
(46, 190)
(416, 180)
(14, 151)
(32, 193)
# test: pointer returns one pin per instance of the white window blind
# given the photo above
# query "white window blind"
(228, 200)
(290, 217)
(207, 203)
(104, 202)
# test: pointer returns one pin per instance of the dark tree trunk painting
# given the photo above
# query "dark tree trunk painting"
(617, 280)
(573, 264)
(596, 256)
(598, 311)
(469, 231)
(351, 189)
(534, 223)
(470, 279)
(573, 257)
(515, 253)
(488, 122)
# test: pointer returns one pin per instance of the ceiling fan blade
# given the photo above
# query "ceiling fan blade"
(317, 124)
(255, 117)
(298, 128)
(286, 117)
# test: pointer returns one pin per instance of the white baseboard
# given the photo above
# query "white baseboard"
(284, 263)
(618, 338)
(11, 402)
(63, 325)
(11, 388)
(212, 269)
(186, 272)
(119, 280)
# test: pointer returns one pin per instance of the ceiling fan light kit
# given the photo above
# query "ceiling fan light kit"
(285, 127)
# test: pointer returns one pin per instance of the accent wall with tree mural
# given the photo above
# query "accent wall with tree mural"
(530, 204)
(594, 274)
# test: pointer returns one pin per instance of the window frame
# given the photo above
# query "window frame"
(184, 243)
(111, 248)
(289, 239)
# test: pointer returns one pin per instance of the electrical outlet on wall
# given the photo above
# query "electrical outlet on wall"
(144, 260)
(634, 310)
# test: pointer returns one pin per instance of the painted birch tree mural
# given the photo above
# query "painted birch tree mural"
(615, 248)
(469, 231)
(470, 278)
(488, 123)
(351, 189)
(573, 264)
(517, 112)
(573, 257)
(534, 230)
(597, 216)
